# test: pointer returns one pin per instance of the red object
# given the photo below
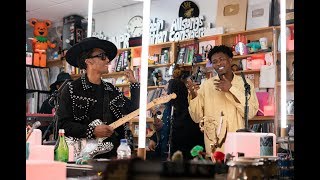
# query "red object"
(218, 156)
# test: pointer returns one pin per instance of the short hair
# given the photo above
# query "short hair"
(221, 48)
(83, 56)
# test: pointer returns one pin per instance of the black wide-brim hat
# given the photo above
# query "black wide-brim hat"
(73, 54)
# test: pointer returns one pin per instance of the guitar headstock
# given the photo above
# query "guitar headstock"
(164, 99)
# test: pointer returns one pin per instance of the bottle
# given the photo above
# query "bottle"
(124, 150)
(61, 150)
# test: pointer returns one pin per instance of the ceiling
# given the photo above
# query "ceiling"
(55, 10)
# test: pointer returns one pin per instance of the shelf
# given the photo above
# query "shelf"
(155, 87)
(289, 83)
(124, 49)
(288, 52)
(262, 118)
(108, 75)
(248, 31)
(56, 62)
(194, 64)
(288, 25)
(39, 117)
(248, 71)
(33, 90)
(248, 55)
(159, 65)
(161, 44)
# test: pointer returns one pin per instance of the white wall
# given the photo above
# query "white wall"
(114, 22)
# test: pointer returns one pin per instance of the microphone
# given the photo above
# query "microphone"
(57, 92)
(246, 85)
(34, 126)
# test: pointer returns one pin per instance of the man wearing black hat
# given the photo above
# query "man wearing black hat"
(88, 104)
(47, 106)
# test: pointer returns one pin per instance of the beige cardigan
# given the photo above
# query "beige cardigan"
(209, 104)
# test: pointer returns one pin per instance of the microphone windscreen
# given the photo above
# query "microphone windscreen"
(36, 125)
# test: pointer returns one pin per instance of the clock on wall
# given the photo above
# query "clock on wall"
(134, 26)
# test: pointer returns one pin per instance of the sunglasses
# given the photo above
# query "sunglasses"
(102, 56)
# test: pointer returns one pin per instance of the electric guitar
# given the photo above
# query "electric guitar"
(101, 144)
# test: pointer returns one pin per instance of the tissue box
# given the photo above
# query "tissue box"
(35, 137)
(41, 152)
(251, 144)
(48, 170)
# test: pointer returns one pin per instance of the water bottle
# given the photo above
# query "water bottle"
(124, 150)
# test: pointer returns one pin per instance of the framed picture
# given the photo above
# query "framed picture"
(258, 15)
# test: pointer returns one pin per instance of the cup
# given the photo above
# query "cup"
(263, 43)
(27, 150)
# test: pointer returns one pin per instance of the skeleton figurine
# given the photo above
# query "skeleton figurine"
(212, 129)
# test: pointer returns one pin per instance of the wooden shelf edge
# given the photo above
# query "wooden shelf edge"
(247, 71)
(155, 87)
(289, 83)
(248, 55)
(262, 118)
(38, 115)
(57, 62)
(248, 31)
(159, 65)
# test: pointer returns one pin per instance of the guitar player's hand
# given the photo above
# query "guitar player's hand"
(103, 131)
(152, 145)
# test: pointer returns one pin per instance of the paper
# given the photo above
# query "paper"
(267, 76)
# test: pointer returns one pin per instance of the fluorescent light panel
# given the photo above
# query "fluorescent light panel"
(90, 7)
(144, 74)
(283, 83)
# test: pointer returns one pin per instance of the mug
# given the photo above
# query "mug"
(263, 43)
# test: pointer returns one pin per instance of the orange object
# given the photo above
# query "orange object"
(40, 42)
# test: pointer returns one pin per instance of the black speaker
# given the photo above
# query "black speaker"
(74, 30)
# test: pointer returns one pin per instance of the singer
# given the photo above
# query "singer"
(221, 93)
(88, 104)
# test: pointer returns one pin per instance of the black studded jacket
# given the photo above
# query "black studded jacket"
(80, 112)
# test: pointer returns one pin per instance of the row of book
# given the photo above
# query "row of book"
(37, 78)
(186, 54)
(34, 101)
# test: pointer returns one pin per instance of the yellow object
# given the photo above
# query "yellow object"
(209, 104)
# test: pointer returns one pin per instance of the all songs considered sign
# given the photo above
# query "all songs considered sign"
(189, 25)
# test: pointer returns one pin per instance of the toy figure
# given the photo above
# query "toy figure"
(40, 42)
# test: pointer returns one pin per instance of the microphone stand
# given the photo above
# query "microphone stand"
(55, 99)
(246, 107)
(170, 135)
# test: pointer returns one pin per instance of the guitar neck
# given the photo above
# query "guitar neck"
(128, 117)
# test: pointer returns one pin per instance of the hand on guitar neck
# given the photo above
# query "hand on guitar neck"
(103, 131)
